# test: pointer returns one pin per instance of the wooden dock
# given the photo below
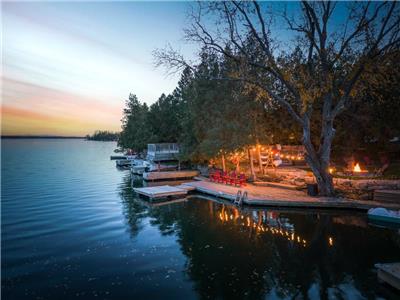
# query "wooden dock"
(164, 191)
(170, 175)
(276, 184)
(390, 274)
(280, 197)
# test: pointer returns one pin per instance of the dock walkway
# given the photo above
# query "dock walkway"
(275, 196)
(164, 191)
(389, 273)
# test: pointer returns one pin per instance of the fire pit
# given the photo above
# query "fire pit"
(357, 171)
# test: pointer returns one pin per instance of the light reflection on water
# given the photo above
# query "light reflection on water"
(72, 228)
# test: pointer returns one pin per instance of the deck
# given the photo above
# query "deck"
(279, 197)
(163, 191)
(169, 175)
(389, 273)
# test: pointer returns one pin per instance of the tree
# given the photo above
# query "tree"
(164, 119)
(135, 130)
(103, 135)
(373, 115)
(321, 72)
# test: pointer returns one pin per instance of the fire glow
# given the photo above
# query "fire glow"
(357, 168)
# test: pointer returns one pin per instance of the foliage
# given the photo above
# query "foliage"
(317, 77)
(135, 131)
(103, 135)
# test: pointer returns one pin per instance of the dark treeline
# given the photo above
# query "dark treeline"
(103, 135)
(208, 117)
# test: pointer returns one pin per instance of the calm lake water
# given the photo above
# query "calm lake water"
(72, 228)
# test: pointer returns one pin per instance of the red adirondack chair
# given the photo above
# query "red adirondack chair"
(215, 176)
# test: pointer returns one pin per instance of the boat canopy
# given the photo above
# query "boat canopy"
(162, 151)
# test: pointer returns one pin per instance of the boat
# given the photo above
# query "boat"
(122, 157)
(114, 157)
(384, 215)
(139, 166)
(123, 163)
(127, 161)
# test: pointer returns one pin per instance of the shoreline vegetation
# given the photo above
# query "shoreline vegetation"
(103, 135)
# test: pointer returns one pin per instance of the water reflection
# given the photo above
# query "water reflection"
(255, 254)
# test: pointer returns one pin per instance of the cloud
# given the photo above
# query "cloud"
(34, 109)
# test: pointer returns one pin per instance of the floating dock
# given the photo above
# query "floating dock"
(164, 191)
(260, 196)
(390, 274)
(170, 175)
(281, 197)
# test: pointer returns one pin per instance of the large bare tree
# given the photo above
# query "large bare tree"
(316, 74)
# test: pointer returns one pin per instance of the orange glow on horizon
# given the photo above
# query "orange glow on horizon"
(16, 121)
(30, 109)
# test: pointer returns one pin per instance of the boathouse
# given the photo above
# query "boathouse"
(162, 152)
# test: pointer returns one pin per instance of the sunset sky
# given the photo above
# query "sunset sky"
(68, 67)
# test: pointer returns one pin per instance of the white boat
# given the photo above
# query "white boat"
(139, 166)
(384, 215)
(126, 162)
(123, 162)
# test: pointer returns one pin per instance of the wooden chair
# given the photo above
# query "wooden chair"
(214, 176)
(231, 179)
(224, 178)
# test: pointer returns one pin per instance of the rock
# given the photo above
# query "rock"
(366, 196)
(346, 183)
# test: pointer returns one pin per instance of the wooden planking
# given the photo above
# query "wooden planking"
(278, 197)
(276, 184)
(169, 175)
(186, 187)
(160, 191)
(389, 273)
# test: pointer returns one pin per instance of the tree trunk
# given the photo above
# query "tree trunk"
(259, 160)
(319, 162)
(223, 162)
(253, 174)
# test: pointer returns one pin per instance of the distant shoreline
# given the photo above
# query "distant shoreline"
(40, 137)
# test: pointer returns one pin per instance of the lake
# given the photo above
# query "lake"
(72, 228)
